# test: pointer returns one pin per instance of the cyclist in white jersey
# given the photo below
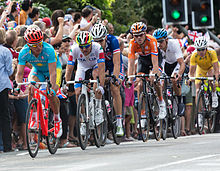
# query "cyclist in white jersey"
(90, 59)
(173, 64)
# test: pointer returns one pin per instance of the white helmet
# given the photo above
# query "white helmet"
(200, 42)
(99, 31)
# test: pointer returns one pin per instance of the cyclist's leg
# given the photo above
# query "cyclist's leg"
(214, 94)
(80, 75)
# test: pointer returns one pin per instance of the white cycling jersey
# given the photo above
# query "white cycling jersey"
(86, 62)
(173, 51)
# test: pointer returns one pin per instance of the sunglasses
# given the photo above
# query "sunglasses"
(66, 40)
(201, 49)
(35, 45)
(160, 40)
(84, 46)
(138, 35)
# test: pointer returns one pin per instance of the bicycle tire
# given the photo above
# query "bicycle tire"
(100, 132)
(157, 123)
(200, 116)
(144, 122)
(175, 118)
(105, 130)
(211, 117)
(82, 125)
(52, 141)
(33, 136)
(164, 128)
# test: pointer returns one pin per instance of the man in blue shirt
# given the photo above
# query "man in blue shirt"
(5, 72)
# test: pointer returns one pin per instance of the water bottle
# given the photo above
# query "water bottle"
(108, 106)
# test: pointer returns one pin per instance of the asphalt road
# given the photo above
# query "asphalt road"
(198, 152)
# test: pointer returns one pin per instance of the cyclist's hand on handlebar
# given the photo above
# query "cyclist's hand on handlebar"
(51, 93)
(178, 77)
(65, 89)
(100, 90)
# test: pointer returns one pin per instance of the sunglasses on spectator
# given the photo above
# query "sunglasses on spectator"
(84, 46)
(201, 49)
(138, 35)
(35, 45)
(66, 40)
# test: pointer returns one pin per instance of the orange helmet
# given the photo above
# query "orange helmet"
(138, 27)
(33, 34)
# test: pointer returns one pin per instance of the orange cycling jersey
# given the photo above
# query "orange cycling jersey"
(150, 47)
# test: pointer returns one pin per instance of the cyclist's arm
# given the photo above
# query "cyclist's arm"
(20, 73)
(116, 61)
(154, 55)
(182, 66)
(131, 60)
(101, 67)
(53, 74)
(192, 70)
(216, 69)
(69, 70)
(154, 60)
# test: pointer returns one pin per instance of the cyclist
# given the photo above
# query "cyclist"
(174, 63)
(113, 64)
(45, 62)
(91, 62)
(145, 46)
(203, 63)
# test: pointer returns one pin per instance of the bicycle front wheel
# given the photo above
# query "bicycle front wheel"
(33, 129)
(143, 117)
(200, 112)
(52, 141)
(175, 118)
(100, 132)
(82, 125)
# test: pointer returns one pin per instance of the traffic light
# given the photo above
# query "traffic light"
(175, 11)
(202, 14)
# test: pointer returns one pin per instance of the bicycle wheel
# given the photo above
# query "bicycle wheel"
(100, 132)
(52, 141)
(175, 118)
(33, 134)
(211, 116)
(157, 123)
(82, 125)
(200, 112)
(143, 117)
(164, 128)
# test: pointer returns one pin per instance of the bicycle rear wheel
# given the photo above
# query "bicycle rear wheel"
(157, 124)
(52, 141)
(100, 132)
(175, 118)
(82, 125)
(200, 112)
(143, 117)
(33, 134)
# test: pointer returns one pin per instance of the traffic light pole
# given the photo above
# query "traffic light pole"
(214, 37)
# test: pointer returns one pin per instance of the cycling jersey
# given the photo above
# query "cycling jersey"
(40, 64)
(172, 54)
(112, 47)
(144, 60)
(206, 62)
(47, 55)
(85, 62)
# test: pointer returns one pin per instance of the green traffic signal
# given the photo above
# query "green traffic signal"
(175, 14)
(204, 19)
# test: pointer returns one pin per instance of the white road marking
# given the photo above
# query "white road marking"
(178, 162)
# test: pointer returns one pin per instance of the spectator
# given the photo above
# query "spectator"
(57, 29)
(26, 9)
(87, 15)
(14, 12)
(110, 28)
(33, 16)
(11, 42)
(47, 21)
(5, 72)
